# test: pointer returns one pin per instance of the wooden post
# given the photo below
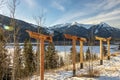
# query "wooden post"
(81, 54)
(73, 38)
(73, 56)
(81, 51)
(42, 38)
(108, 44)
(101, 53)
(101, 48)
(42, 59)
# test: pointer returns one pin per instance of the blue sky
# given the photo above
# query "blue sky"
(66, 11)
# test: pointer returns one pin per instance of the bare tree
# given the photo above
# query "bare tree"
(4, 57)
(2, 3)
(12, 5)
(39, 20)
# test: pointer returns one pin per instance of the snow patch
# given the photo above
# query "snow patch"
(96, 31)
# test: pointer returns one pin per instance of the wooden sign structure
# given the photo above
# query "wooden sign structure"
(42, 38)
(74, 39)
(101, 47)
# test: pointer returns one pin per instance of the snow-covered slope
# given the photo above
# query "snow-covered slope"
(87, 26)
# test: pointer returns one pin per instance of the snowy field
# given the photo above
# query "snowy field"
(110, 70)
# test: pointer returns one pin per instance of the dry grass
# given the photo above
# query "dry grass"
(115, 54)
(90, 73)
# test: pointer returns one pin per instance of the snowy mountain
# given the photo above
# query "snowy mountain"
(82, 30)
(85, 30)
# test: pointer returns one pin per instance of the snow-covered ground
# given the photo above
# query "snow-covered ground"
(110, 70)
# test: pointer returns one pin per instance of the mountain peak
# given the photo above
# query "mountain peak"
(104, 24)
(74, 23)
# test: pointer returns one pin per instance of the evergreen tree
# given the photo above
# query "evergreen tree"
(119, 47)
(77, 55)
(61, 62)
(51, 57)
(4, 60)
(18, 63)
(29, 58)
(88, 55)
(104, 51)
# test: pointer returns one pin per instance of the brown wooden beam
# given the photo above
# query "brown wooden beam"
(100, 38)
(101, 53)
(108, 45)
(70, 36)
(39, 36)
(81, 54)
(42, 59)
(81, 40)
(73, 56)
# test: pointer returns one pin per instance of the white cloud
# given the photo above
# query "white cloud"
(111, 3)
(102, 17)
(68, 17)
(31, 3)
(58, 6)
(102, 4)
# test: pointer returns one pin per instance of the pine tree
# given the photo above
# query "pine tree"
(4, 60)
(19, 63)
(88, 55)
(29, 58)
(104, 51)
(61, 62)
(119, 47)
(77, 55)
(51, 57)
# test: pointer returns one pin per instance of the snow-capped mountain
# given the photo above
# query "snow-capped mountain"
(82, 30)
(85, 30)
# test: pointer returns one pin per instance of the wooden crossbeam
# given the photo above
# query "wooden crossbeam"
(108, 39)
(39, 36)
(82, 39)
(70, 36)
(100, 38)
(42, 38)
(74, 37)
